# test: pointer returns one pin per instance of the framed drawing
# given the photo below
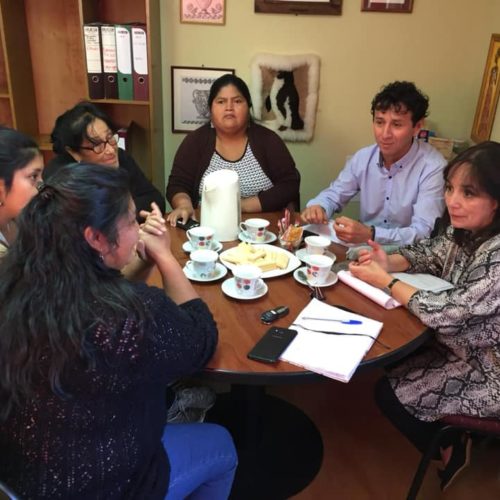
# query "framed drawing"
(332, 7)
(203, 11)
(190, 88)
(488, 97)
(387, 5)
(285, 94)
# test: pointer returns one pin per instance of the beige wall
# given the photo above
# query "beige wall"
(441, 46)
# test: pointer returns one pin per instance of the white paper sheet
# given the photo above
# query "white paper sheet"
(334, 356)
(373, 293)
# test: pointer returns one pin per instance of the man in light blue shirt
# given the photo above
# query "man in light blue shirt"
(400, 179)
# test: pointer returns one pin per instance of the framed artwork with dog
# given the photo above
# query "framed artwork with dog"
(285, 94)
(190, 88)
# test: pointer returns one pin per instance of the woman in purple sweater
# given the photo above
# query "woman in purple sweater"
(86, 355)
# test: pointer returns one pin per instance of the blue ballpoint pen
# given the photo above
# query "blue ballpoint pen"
(343, 321)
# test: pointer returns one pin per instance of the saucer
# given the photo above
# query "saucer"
(302, 254)
(229, 288)
(331, 280)
(217, 246)
(220, 272)
(270, 237)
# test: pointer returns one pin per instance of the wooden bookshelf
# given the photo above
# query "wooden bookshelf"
(43, 71)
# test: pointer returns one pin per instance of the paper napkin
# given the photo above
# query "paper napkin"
(334, 356)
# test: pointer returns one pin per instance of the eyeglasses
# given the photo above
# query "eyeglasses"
(99, 147)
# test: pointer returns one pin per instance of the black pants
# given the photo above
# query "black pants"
(418, 432)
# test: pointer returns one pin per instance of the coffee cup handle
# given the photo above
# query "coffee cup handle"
(243, 227)
(189, 266)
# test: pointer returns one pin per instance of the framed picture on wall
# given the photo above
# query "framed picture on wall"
(190, 89)
(203, 11)
(387, 5)
(331, 7)
(488, 96)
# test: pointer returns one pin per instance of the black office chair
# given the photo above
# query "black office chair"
(453, 423)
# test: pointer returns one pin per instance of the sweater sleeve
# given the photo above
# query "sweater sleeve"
(174, 341)
(143, 192)
(277, 162)
(190, 161)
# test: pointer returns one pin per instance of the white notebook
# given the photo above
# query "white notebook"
(334, 356)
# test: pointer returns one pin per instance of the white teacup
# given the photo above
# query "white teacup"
(255, 229)
(202, 263)
(201, 237)
(247, 279)
(316, 245)
(318, 269)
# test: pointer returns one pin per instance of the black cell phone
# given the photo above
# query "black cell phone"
(272, 345)
(188, 225)
(271, 315)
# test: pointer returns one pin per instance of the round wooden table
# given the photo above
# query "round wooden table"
(280, 449)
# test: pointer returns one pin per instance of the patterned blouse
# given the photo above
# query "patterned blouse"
(253, 179)
(458, 372)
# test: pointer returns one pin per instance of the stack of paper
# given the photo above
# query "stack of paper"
(337, 354)
(424, 281)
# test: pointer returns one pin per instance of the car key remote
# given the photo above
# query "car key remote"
(268, 317)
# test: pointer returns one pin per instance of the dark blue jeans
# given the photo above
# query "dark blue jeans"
(202, 459)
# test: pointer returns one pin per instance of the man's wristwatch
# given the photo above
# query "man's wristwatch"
(388, 289)
(372, 233)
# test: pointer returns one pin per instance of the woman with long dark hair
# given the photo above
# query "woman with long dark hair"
(85, 355)
(21, 166)
(457, 372)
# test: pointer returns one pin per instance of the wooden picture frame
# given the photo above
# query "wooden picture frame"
(203, 12)
(323, 7)
(488, 96)
(190, 88)
(403, 6)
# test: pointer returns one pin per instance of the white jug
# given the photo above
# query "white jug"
(220, 204)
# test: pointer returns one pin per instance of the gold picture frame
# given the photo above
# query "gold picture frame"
(203, 12)
(488, 97)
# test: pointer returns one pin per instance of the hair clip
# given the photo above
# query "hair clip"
(46, 192)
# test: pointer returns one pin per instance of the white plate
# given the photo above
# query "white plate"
(293, 262)
(302, 254)
(220, 272)
(229, 288)
(331, 280)
(217, 246)
(269, 238)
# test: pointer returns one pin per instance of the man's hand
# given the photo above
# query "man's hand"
(351, 231)
(315, 214)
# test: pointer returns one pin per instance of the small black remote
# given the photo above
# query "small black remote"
(268, 317)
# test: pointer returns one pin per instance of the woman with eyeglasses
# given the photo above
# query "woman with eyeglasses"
(85, 133)
(21, 166)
